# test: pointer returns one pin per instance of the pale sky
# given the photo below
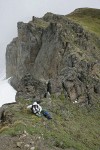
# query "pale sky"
(13, 11)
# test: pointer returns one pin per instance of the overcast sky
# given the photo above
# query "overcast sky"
(12, 11)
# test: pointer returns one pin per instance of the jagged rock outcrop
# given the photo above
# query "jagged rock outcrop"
(55, 49)
(31, 87)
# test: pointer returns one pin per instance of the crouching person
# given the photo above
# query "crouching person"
(35, 108)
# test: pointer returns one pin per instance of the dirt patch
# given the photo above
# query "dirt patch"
(23, 142)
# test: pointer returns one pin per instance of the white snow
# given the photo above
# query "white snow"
(2, 75)
(7, 92)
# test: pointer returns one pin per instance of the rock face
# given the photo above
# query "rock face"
(58, 50)
(31, 87)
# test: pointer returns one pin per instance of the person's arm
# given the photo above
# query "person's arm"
(39, 108)
(29, 106)
(34, 110)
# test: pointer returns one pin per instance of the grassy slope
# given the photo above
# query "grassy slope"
(71, 125)
(89, 18)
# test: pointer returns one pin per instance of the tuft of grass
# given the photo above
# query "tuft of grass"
(40, 23)
(89, 18)
(13, 130)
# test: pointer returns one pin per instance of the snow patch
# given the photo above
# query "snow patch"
(7, 92)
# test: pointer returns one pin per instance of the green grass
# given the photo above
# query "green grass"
(89, 18)
(40, 23)
(71, 126)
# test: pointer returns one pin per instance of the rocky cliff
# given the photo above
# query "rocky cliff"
(60, 55)
(57, 49)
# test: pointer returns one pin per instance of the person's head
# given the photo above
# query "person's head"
(35, 104)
